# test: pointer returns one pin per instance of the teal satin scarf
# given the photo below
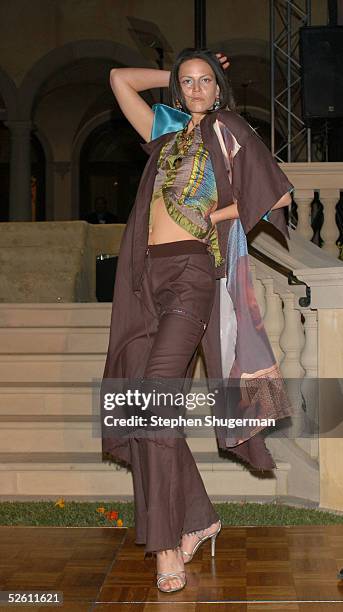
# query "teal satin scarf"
(167, 119)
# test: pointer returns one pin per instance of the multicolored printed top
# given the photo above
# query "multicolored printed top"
(186, 181)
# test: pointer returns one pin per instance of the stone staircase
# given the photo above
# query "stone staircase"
(51, 362)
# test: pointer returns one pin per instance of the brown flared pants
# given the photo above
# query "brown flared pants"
(178, 291)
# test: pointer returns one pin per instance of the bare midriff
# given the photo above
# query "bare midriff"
(163, 228)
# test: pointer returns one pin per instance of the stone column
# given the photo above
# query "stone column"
(62, 191)
(330, 366)
(329, 231)
(20, 171)
(273, 318)
(292, 341)
(303, 198)
(309, 388)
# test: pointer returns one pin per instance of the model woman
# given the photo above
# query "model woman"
(170, 256)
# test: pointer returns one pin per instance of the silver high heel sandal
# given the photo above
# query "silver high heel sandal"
(181, 575)
(201, 541)
(178, 575)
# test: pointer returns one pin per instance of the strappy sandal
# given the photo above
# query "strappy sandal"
(201, 541)
(161, 577)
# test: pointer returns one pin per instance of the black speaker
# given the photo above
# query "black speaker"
(321, 59)
(106, 268)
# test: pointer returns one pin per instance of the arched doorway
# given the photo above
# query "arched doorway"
(72, 81)
(111, 164)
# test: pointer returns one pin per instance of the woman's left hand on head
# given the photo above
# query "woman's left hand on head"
(223, 60)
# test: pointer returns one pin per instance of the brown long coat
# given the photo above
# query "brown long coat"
(256, 182)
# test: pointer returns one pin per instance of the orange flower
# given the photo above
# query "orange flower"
(101, 510)
(119, 523)
(60, 502)
(113, 515)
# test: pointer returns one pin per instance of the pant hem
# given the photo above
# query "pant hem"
(200, 528)
(167, 547)
(170, 547)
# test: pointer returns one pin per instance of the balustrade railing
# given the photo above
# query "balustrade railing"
(318, 184)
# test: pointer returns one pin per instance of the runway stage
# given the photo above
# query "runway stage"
(271, 568)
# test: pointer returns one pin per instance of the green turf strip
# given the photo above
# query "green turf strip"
(83, 514)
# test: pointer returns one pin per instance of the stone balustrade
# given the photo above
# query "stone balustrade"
(307, 344)
(327, 179)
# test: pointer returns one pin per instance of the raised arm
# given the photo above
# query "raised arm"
(126, 83)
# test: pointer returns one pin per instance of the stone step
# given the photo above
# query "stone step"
(53, 400)
(67, 314)
(37, 369)
(54, 328)
(52, 358)
(22, 400)
(58, 400)
(73, 434)
(65, 340)
(50, 369)
(38, 475)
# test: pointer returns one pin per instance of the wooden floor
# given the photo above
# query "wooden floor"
(255, 569)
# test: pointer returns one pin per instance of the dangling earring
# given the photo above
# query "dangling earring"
(216, 104)
(178, 104)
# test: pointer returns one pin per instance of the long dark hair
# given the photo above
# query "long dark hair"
(226, 99)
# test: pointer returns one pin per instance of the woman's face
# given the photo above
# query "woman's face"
(198, 85)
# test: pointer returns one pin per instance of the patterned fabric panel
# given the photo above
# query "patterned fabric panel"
(187, 184)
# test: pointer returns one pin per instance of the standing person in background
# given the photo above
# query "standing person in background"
(101, 214)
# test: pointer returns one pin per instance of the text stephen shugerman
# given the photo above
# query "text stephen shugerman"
(207, 421)
(144, 400)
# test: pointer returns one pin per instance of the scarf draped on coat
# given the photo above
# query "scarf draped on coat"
(239, 359)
